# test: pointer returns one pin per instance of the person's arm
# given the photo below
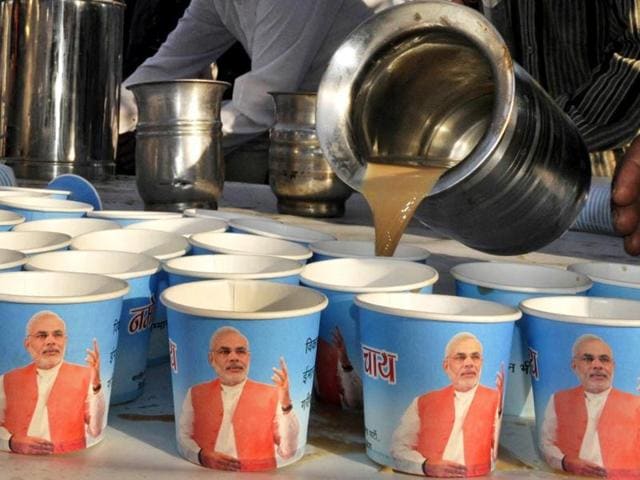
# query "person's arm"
(188, 446)
(405, 441)
(606, 109)
(96, 408)
(351, 394)
(548, 437)
(5, 435)
(287, 428)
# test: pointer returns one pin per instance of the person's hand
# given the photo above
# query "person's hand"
(500, 386)
(281, 379)
(625, 198)
(128, 112)
(93, 361)
(30, 445)
(444, 468)
(219, 461)
(338, 342)
(578, 466)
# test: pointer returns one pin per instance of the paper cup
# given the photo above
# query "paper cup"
(160, 245)
(127, 217)
(509, 284)
(274, 325)
(182, 226)
(69, 226)
(9, 220)
(136, 317)
(42, 208)
(615, 280)
(419, 353)
(339, 359)
(273, 229)
(225, 215)
(585, 358)
(31, 243)
(232, 267)
(247, 244)
(34, 192)
(56, 327)
(331, 249)
(11, 260)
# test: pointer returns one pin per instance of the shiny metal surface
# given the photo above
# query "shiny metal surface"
(60, 71)
(433, 82)
(179, 161)
(299, 175)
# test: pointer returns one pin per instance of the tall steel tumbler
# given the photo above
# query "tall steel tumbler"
(60, 73)
(434, 82)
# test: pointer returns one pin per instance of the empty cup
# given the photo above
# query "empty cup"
(274, 229)
(60, 332)
(182, 226)
(225, 215)
(69, 226)
(585, 383)
(9, 220)
(249, 347)
(138, 306)
(11, 260)
(339, 362)
(510, 283)
(434, 369)
(41, 208)
(127, 217)
(36, 192)
(31, 243)
(617, 280)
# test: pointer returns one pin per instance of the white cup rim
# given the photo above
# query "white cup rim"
(174, 225)
(290, 250)
(333, 248)
(13, 258)
(49, 241)
(56, 225)
(174, 245)
(133, 214)
(476, 273)
(549, 308)
(8, 217)
(599, 272)
(145, 265)
(44, 191)
(193, 266)
(112, 287)
(310, 300)
(268, 227)
(45, 204)
(413, 305)
(402, 274)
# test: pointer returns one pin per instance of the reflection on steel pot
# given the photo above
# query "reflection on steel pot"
(433, 82)
(178, 143)
(299, 174)
(60, 72)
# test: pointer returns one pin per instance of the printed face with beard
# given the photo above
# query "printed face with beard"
(230, 358)
(46, 341)
(463, 364)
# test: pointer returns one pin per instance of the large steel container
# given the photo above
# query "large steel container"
(60, 73)
(299, 175)
(434, 82)
(179, 162)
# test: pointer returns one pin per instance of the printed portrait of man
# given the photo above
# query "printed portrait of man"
(233, 422)
(592, 429)
(51, 406)
(453, 431)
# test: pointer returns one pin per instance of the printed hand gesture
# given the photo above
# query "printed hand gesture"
(338, 341)
(219, 461)
(444, 468)
(577, 466)
(281, 379)
(500, 386)
(93, 361)
(30, 445)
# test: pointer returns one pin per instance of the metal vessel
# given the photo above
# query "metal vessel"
(299, 175)
(179, 161)
(433, 82)
(60, 71)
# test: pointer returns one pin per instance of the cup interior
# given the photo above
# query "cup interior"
(161, 245)
(610, 273)
(69, 226)
(245, 243)
(182, 226)
(236, 266)
(45, 204)
(590, 310)
(364, 248)
(274, 229)
(33, 242)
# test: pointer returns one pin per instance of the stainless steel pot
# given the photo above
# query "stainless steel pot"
(179, 161)
(60, 71)
(299, 175)
(433, 82)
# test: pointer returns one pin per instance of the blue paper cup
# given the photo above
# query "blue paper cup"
(248, 244)
(584, 353)
(127, 217)
(509, 284)
(617, 280)
(138, 307)
(60, 330)
(429, 360)
(34, 192)
(160, 245)
(339, 363)
(69, 226)
(266, 227)
(232, 267)
(42, 208)
(9, 220)
(182, 226)
(11, 260)
(330, 249)
(226, 339)
(31, 243)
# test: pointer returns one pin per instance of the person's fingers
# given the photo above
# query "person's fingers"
(626, 218)
(626, 182)
(632, 243)
(95, 347)
(283, 366)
